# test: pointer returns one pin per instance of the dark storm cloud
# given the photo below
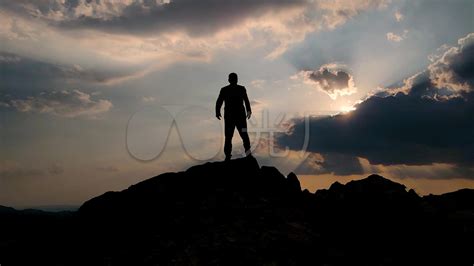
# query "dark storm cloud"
(16, 68)
(32, 8)
(454, 68)
(420, 124)
(194, 17)
(340, 164)
(64, 103)
(401, 129)
(330, 81)
(22, 77)
(330, 163)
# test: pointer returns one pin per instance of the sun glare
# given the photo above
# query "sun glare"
(347, 109)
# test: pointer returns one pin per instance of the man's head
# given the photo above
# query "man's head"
(233, 78)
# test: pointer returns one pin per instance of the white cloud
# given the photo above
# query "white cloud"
(399, 16)
(258, 83)
(444, 74)
(153, 33)
(447, 75)
(148, 99)
(70, 104)
(396, 37)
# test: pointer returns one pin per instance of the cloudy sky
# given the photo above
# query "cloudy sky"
(96, 95)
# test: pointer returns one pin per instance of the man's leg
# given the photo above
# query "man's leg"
(229, 126)
(242, 128)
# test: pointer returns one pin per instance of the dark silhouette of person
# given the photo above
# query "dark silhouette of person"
(234, 96)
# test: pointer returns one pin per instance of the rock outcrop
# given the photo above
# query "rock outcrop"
(238, 213)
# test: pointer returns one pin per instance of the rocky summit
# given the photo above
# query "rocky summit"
(238, 213)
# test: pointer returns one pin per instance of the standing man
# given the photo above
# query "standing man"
(234, 97)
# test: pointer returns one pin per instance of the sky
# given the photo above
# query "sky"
(96, 95)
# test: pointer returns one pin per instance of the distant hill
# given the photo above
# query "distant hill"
(238, 213)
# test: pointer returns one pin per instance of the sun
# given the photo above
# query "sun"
(347, 109)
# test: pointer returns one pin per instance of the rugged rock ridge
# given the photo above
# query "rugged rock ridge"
(238, 213)
(224, 182)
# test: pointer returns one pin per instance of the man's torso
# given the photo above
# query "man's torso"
(233, 96)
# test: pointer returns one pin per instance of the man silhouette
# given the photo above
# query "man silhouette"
(234, 97)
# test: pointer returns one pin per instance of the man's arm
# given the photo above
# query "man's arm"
(247, 104)
(219, 102)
